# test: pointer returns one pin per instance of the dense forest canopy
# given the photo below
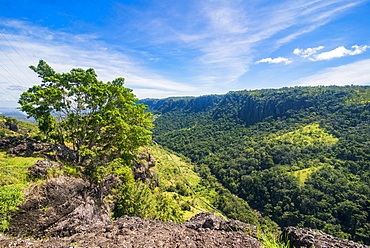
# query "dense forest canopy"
(298, 155)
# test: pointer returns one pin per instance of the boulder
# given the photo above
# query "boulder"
(212, 221)
(61, 207)
(309, 238)
(40, 169)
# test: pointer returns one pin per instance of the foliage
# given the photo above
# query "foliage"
(309, 135)
(298, 155)
(195, 194)
(272, 240)
(137, 199)
(13, 180)
(96, 118)
(10, 197)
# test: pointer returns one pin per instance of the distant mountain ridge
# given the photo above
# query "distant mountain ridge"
(253, 106)
(15, 113)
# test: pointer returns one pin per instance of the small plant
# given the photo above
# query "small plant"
(272, 240)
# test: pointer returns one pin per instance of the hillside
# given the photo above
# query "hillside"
(300, 156)
(154, 175)
(44, 194)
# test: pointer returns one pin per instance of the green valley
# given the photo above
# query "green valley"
(300, 156)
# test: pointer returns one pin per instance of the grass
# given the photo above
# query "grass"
(13, 170)
(308, 135)
(272, 241)
(25, 128)
(13, 181)
(303, 174)
(179, 177)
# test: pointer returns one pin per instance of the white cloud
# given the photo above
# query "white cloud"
(275, 60)
(340, 52)
(357, 73)
(307, 52)
(311, 53)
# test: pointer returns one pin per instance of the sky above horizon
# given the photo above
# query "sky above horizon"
(187, 48)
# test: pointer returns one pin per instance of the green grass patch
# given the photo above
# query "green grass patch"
(272, 241)
(10, 197)
(25, 128)
(13, 181)
(308, 135)
(303, 174)
(13, 170)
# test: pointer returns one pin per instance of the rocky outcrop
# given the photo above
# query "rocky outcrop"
(212, 221)
(141, 169)
(308, 238)
(137, 232)
(65, 213)
(40, 169)
(61, 207)
(27, 147)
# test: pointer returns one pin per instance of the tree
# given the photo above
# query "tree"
(95, 117)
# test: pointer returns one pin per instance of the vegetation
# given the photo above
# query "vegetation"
(10, 197)
(181, 192)
(98, 119)
(300, 156)
(13, 180)
(195, 194)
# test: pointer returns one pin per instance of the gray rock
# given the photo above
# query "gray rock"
(211, 221)
(307, 238)
(40, 169)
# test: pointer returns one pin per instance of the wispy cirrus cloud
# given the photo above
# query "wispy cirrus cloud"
(275, 60)
(82, 51)
(194, 47)
(226, 36)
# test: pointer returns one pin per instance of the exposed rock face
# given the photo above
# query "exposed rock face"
(136, 232)
(141, 169)
(307, 238)
(27, 147)
(61, 207)
(64, 212)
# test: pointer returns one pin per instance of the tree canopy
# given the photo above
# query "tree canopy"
(94, 117)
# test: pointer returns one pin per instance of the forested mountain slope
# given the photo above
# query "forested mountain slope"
(299, 155)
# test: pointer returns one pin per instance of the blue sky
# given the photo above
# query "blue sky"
(187, 48)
